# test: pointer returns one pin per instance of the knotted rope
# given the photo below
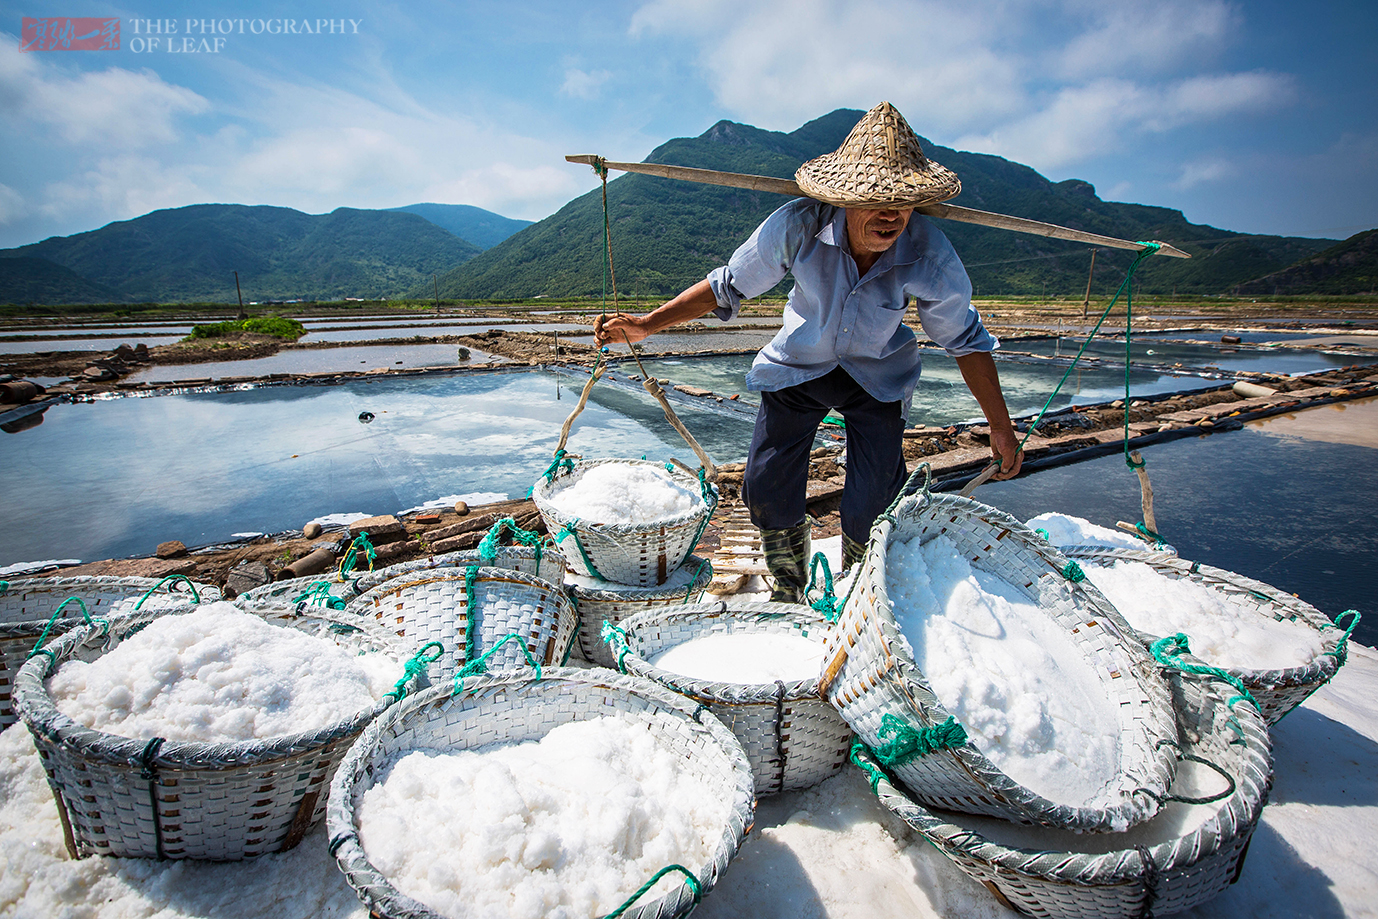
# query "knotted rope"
(43, 636)
(415, 667)
(195, 596)
(480, 664)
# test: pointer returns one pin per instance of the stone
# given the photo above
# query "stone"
(246, 576)
(461, 508)
(426, 518)
(385, 528)
(156, 568)
(173, 548)
(311, 530)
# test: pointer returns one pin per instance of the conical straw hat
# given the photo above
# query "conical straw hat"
(880, 164)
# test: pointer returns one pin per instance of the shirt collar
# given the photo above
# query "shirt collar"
(906, 250)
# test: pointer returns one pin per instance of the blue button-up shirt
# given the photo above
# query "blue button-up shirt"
(834, 317)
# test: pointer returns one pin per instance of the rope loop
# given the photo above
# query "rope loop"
(902, 742)
(1168, 651)
(616, 639)
(1072, 572)
(1128, 461)
(318, 594)
(52, 620)
(195, 597)
(488, 546)
(553, 469)
(827, 603)
(1341, 652)
(689, 879)
(351, 558)
(415, 667)
(480, 665)
(4, 586)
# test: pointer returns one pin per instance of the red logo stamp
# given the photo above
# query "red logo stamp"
(85, 33)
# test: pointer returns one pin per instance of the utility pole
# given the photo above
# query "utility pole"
(1086, 303)
(436, 281)
(242, 314)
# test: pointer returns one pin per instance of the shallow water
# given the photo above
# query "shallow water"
(1193, 357)
(322, 360)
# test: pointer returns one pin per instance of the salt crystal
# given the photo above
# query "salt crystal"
(1028, 699)
(624, 493)
(218, 675)
(744, 657)
(1066, 530)
(566, 826)
(1219, 630)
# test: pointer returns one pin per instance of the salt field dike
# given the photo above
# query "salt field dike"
(358, 601)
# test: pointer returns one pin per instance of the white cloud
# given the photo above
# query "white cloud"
(580, 84)
(1151, 38)
(1201, 172)
(12, 206)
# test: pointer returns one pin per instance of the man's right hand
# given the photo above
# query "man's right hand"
(618, 329)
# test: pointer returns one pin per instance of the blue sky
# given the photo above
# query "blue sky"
(1257, 117)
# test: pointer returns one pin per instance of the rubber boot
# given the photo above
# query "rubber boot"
(787, 559)
(853, 552)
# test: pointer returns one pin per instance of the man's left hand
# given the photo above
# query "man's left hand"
(1004, 446)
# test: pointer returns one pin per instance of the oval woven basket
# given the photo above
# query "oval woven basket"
(1118, 880)
(185, 799)
(607, 602)
(433, 605)
(299, 590)
(872, 678)
(792, 736)
(641, 555)
(1277, 691)
(511, 708)
(26, 605)
(546, 563)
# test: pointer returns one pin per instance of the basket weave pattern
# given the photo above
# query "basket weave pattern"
(639, 555)
(433, 605)
(549, 566)
(1130, 882)
(215, 801)
(615, 602)
(869, 672)
(1277, 691)
(27, 605)
(792, 736)
(506, 708)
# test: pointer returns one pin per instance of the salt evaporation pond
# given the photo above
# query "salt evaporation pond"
(116, 477)
(1291, 512)
(1190, 357)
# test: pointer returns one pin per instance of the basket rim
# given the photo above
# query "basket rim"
(906, 675)
(41, 715)
(951, 837)
(379, 893)
(445, 560)
(630, 593)
(19, 628)
(1321, 668)
(486, 574)
(543, 489)
(751, 612)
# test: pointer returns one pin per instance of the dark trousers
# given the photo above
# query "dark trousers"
(777, 469)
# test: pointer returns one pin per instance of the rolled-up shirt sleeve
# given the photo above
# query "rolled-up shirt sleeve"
(759, 263)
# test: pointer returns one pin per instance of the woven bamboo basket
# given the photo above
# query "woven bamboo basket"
(873, 680)
(213, 801)
(28, 604)
(511, 708)
(1277, 691)
(640, 555)
(600, 601)
(294, 591)
(546, 563)
(1146, 872)
(433, 605)
(792, 736)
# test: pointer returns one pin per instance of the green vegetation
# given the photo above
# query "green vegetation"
(276, 326)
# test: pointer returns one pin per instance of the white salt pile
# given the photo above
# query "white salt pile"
(567, 826)
(1220, 631)
(744, 657)
(625, 493)
(1029, 701)
(1066, 530)
(219, 674)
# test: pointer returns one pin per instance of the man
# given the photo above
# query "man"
(858, 256)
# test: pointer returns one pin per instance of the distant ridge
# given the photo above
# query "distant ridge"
(471, 224)
(1348, 268)
(667, 233)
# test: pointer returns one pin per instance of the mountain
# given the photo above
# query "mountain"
(1348, 268)
(26, 279)
(190, 254)
(666, 234)
(471, 224)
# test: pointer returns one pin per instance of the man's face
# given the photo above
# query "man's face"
(873, 230)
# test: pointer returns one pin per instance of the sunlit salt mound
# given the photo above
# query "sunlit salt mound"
(622, 493)
(569, 824)
(1065, 530)
(1223, 632)
(555, 796)
(1028, 699)
(218, 675)
(743, 657)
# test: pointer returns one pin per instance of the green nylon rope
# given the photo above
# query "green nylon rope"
(1341, 652)
(826, 604)
(414, 668)
(1073, 572)
(689, 879)
(4, 586)
(571, 529)
(352, 556)
(480, 665)
(318, 594)
(1167, 651)
(902, 742)
(470, 613)
(616, 639)
(196, 597)
(85, 614)
(865, 759)
(488, 547)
